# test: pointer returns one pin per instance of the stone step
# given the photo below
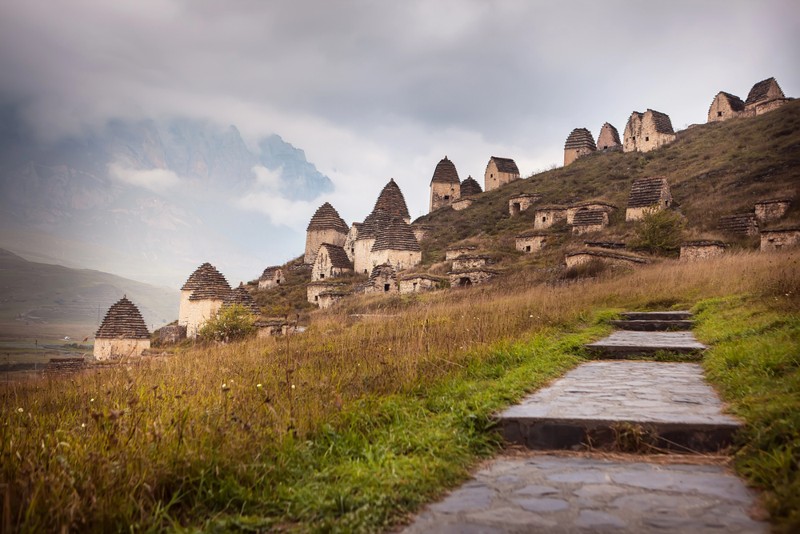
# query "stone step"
(657, 316)
(654, 326)
(626, 343)
(642, 406)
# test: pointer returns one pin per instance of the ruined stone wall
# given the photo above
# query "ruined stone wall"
(199, 312)
(362, 255)
(588, 228)
(416, 285)
(530, 244)
(323, 268)
(327, 300)
(613, 261)
(112, 349)
(467, 263)
(771, 211)
(444, 194)
(273, 281)
(517, 205)
(398, 259)
(691, 252)
(721, 110)
(350, 243)
(779, 239)
(453, 253)
(759, 108)
(461, 204)
(459, 279)
(641, 134)
(315, 238)
(545, 218)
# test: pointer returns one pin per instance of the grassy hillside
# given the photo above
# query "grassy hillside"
(356, 423)
(39, 294)
(713, 170)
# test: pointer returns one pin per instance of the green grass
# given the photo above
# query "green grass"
(755, 363)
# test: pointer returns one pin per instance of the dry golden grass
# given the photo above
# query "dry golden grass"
(118, 444)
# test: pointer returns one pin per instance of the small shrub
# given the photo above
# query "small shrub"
(231, 323)
(659, 232)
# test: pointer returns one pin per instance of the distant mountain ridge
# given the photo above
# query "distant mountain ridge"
(155, 195)
(41, 293)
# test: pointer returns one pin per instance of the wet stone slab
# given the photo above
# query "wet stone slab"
(589, 494)
(628, 342)
(671, 400)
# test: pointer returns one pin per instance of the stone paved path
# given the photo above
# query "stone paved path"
(669, 405)
(554, 494)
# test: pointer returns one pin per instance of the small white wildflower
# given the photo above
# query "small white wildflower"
(292, 386)
(20, 410)
(258, 386)
(83, 425)
(91, 400)
(224, 385)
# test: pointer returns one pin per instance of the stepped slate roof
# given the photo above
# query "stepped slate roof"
(123, 320)
(383, 269)
(734, 101)
(470, 187)
(580, 138)
(760, 91)
(241, 296)
(338, 256)
(445, 173)
(661, 121)
(206, 282)
(391, 201)
(327, 218)
(589, 217)
(742, 223)
(646, 192)
(375, 221)
(505, 165)
(606, 131)
(396, 235)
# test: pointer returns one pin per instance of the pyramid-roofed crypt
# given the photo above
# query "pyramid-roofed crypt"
(470, 187)
(327, 218)
(123, 321)
(609, 137)
(392, 201)
(373, 223)
(580, 138)
(241, 296)
(338, 256)
(445, 173)
(396, 235)
(206, 282)
(646, 192)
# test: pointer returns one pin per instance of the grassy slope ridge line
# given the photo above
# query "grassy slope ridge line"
(346, 427)
(755, 363)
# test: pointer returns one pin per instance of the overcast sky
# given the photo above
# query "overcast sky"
(379, 89)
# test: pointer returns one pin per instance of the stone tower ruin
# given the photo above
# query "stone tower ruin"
(647, 131)
(445, 185)
(608, 138)
(326, 226)
(579, 143)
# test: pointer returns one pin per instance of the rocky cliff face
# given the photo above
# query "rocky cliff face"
(145, 191)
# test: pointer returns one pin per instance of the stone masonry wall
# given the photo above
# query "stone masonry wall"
(315, 238)
(778, 239)
(530, 244)
(111, 349)
(398, 259)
